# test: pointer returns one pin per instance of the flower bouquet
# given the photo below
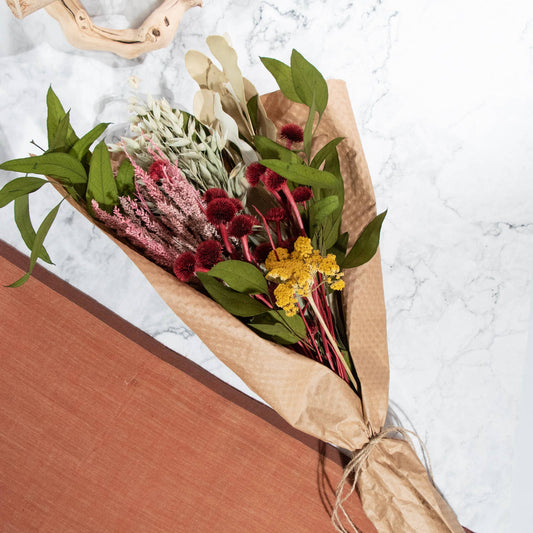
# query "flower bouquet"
(254, 218)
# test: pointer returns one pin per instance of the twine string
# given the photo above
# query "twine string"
(355, 467)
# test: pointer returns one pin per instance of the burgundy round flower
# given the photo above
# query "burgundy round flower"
(242, 225)
(209, 253)
(262, 251)
(276, 214)
(238, 204)
(292, 132)
(273, 181)
(220, 211)
(302, 194)
(157, 169)
(254, 173)
(184, 266)
(213, 193)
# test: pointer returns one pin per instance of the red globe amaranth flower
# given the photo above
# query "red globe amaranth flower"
(254, 173)
(242, 225)
(208, 254)
(302, 194)
(220, 211)
(276, 214)
(157, 169)
(213, 193)
(292, 133)
(262, 251)
(238, 204)
(273, 181)
(184, 266)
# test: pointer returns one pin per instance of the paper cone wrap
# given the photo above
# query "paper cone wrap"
(394, 487)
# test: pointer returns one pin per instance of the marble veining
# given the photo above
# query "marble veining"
(442, 97)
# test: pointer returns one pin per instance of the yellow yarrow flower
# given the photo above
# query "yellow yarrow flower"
(296, 273)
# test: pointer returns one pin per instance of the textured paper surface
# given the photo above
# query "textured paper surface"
(394, 487)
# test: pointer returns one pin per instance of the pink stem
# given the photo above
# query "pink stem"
(265, 224)
(294, 207)
(309, 334)
(246, 250)
(261, 298)
(224, 233)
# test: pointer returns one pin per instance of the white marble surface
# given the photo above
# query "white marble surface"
(442, 93)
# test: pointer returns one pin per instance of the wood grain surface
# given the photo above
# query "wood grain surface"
(99, 433)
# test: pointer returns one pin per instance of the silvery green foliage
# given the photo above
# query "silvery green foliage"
(199, 152)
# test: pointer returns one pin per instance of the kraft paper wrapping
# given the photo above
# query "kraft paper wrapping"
(395, 490)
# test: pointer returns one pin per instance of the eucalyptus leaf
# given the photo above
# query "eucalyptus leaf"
(308, 83)
(276, 332)
(38, 244)
(302, 174)
(366, 245)
(340, 247)
(326, 152)
(59, 142)
(55, 114)
(294, 323)
(57, 165)
(126, 179)
(232, 301)
(270, 149)
(320, 210)
(18, 187)
(101, 185)
(81, 147)
(253, 109)
(25, 227)
(240, 276)
(282, 75)
(308, 130)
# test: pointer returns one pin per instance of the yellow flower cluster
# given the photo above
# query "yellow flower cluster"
(295, 272)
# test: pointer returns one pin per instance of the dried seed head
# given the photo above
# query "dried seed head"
(220, 211)
(242, 225)
(209, 253)
(184, 266)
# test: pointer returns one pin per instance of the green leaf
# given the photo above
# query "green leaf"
(232, 301)
(276, 332)
(326, 152)
(19, 187)
(308, 130)
(302, 174)
(339, 248)
(56, 113)
(320, 210)
(59, 142)
(293, 323)
(308, 83)
(23, 221)
(240, 276)
(270, 149)
(126, 179)
(101, 186)
(56, 165)
(38, 244)
(366, 245)
(81, 147)
(283, 77)
(280, 328)
(253, 108)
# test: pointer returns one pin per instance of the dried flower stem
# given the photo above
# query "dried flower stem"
(333, 342)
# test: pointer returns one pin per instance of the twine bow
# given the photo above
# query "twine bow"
(355, 466)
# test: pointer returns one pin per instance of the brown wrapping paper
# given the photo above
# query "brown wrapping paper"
(395, 490)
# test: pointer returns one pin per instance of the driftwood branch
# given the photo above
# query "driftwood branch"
(157, 31)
